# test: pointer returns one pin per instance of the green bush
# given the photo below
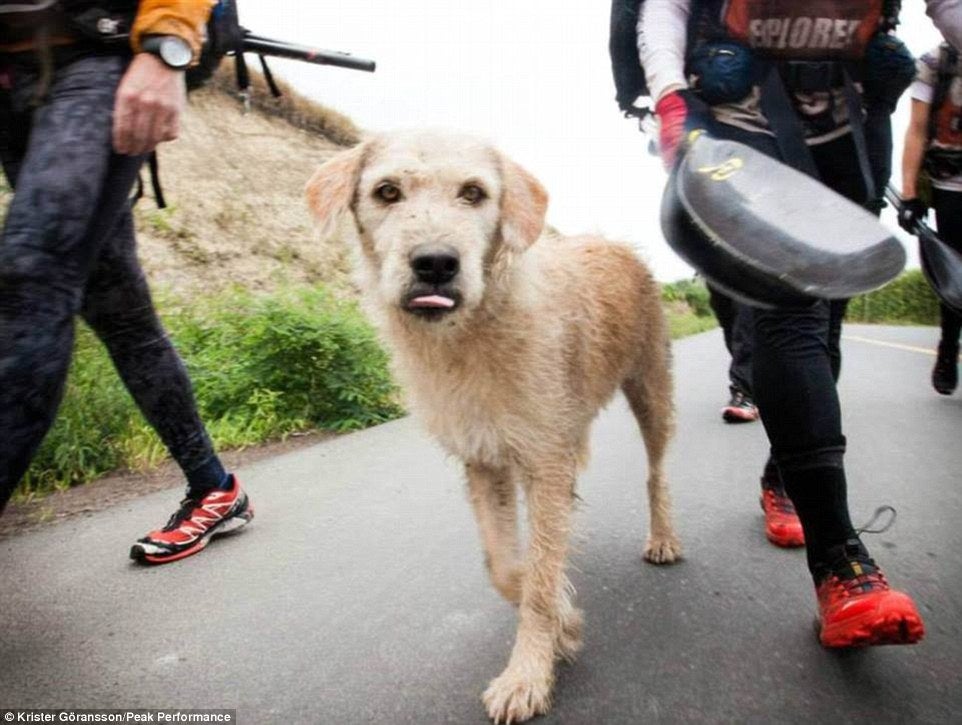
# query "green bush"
(908, 300)
(263, 366)
(693, 292)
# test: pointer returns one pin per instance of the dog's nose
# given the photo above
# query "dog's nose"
(435, 264)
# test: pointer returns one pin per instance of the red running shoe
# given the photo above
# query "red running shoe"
(194, 524)
(740, 408)
(782, 526)
(857, 608)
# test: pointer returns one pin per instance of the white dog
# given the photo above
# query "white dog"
(508, 343)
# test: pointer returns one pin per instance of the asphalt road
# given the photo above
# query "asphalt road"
(358, 593)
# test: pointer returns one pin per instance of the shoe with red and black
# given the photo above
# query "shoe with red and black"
(194, 524)
(857, 607)
(782, 525)
(740, 408)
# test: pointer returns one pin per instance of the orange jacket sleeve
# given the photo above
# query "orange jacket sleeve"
(183, 18)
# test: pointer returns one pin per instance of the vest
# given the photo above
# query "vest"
(794, 29)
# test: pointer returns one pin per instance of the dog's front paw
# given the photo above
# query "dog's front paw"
(662, 550)
(512, 697)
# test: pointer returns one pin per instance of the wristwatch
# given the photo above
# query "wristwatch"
(175, 52)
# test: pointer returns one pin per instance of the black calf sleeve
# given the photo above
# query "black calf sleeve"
(820, 497)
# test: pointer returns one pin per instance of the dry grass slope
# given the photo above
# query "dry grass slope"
(234, 184)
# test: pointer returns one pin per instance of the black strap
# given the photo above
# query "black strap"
(778, 109)
(154, 165)
(853, 102)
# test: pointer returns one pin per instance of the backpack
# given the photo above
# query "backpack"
(224, 36)
(626, 68)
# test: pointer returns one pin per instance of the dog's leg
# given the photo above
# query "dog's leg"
(548, 625)
(649, 395)
(493, 496)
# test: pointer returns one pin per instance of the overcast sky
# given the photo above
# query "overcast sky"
(532, 76)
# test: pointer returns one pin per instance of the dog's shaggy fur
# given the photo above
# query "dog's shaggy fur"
(507, 360)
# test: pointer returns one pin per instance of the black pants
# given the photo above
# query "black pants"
(948, 219)
(68, 248)
(735, 319)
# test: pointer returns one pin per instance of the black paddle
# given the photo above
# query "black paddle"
(769, 235)
(941, 264)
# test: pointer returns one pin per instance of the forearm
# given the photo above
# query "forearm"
(912, 155)
(916, 141)
(662, 36)
(183, 18)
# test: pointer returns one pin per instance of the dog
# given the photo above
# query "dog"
(508, 342)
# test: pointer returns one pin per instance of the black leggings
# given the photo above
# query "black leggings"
(68, 248)
(948, 219)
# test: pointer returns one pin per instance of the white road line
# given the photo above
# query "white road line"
(883, 343)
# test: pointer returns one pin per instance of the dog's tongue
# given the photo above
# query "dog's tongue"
(431, 301)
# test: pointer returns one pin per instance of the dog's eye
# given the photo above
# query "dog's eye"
(388, 193)
(472, 193)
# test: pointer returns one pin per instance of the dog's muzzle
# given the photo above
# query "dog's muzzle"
(435, 268)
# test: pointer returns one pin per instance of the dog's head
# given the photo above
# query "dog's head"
(434, 215)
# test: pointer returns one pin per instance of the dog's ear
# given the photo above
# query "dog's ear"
(330, 190)
(524, 202)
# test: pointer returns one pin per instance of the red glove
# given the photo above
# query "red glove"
(679, 113)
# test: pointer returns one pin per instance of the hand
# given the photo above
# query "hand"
(911, 213)
(147, 110)
(679, 112)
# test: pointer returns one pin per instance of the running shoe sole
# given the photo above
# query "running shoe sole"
(139, 551)
(739, 415)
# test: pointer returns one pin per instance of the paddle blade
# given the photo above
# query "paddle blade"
(769, 234)
(942, 267)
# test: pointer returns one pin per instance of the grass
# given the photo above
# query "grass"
(907, 300)
(263, 367)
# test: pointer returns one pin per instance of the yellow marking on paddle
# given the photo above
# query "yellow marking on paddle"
(896, 345)
(724, 170)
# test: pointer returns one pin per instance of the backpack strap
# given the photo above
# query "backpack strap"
(777, 108)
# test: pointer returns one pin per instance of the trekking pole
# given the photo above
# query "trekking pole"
(267, 46)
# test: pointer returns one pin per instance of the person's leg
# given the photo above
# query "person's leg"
(948, 219)
(735, 320)
(69, 191)
(118, 306)
(797, 360)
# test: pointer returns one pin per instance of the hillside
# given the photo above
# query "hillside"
(234, 185)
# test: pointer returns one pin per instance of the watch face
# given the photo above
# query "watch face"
(175, 52)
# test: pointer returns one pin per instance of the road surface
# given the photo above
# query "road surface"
(358, 594)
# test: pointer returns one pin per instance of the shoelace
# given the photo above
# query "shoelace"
(872, 575)
(187, 506)
(885, 508)
(863, 582)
